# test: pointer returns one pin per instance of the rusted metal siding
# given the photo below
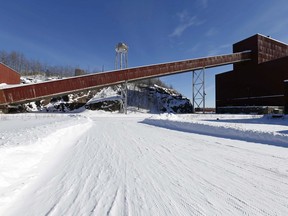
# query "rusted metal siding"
(260, 85)
(286, 96)
(258, 82)
(269, 49)
(32, 92)
(2, 96)
(8, 75)
(263, 48)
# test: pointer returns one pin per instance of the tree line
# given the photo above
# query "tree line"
(26, 67)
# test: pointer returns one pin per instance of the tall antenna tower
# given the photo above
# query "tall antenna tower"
(121, 62)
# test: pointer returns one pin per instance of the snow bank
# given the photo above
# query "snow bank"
(227, 128)
(30, 146)
(3, 84)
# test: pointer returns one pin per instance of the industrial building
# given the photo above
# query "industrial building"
(258, 82)
(286, 96)
(8, 75)
(258, 85)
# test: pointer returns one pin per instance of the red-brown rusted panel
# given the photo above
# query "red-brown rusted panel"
(258, 82)
(286, 96)
(65, 86)
(8, 75)
(2, 96)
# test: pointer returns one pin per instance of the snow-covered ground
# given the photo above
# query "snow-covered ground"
(96, 163)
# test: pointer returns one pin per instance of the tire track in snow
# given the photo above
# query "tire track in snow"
(121, 167)
(32, 151)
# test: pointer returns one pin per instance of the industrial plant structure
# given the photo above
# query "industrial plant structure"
(31, 92)
(8, 75)
(258, 81)
(256, 85)
(286, 96)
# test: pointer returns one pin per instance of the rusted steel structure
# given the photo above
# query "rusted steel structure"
(257, 83)
(32, 92)
(286, 96)
(8, 75)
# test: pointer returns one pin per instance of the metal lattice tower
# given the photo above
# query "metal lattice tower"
(198, 89)
(121, 62)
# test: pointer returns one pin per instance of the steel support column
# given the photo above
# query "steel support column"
(124, 96)
(198, 90)
(121, 62)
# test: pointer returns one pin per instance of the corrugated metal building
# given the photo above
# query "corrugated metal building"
(286, 96)
(256, 83)
(8, 75)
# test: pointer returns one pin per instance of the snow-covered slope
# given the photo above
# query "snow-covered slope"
(153, 98)
(97, 163)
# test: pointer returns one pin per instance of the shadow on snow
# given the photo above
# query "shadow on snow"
(268, 138)
(266, 119)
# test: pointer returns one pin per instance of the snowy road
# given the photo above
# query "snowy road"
(125, 165)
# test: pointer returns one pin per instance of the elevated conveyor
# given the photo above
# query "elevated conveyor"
(31, 92)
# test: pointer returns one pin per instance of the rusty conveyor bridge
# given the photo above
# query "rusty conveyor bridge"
(32, 92)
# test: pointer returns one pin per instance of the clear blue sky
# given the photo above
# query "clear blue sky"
(84, 33)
